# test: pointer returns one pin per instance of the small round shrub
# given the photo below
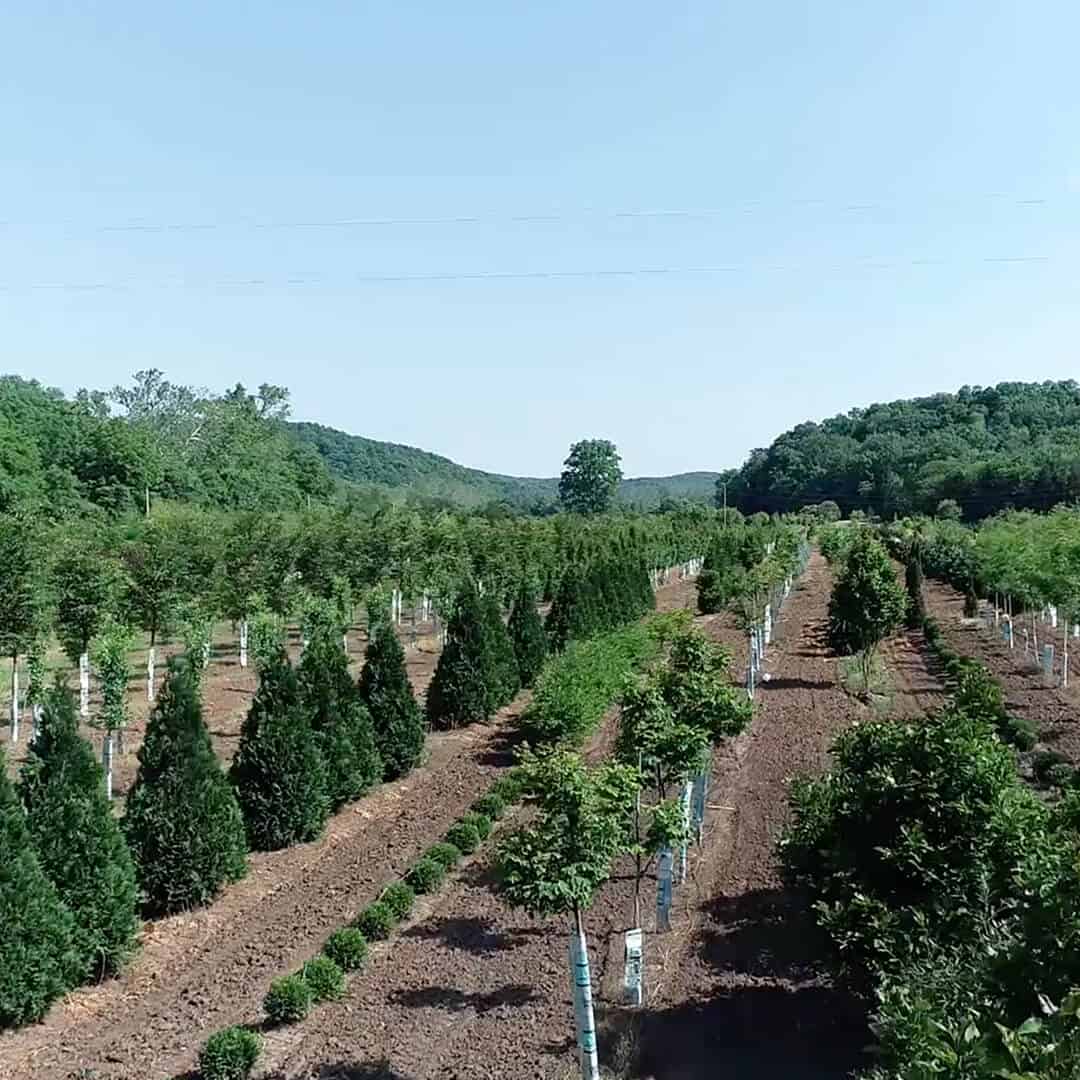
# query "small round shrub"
(1062, 775)
(376, 921)
(1019, 733)
(464, 836)
(490, 805)
(426, 875)
(347, 947)
(324, 977)
(510, 787)
(230, 1054)
(448, 854)
(481, 822)
(287, 1000)
(399, 898)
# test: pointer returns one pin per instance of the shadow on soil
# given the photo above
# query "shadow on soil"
(795, 684)
(772, 1012)
(472, 935)
(453, 1000)
(345, 1070)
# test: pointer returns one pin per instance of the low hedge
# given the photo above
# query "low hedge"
(399, 898)
(376, 921)
(464, 836)
(347, 947)
(324, 977)
(288, 1000)
(444, 852)
(230, 1054)
(426, 875)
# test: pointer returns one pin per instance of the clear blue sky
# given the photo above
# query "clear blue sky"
(863, 167)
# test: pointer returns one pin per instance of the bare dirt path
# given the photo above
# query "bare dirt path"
(1053, 711)
(199, 971)
(472, 990)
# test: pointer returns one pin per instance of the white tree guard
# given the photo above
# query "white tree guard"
(150, 661)
(684, 847)
(634, 967)
(107, 762)
(84, 684)
(14, 702)
(583, 1004)
(243, 643)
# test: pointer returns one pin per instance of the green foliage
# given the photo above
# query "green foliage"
(867, 603)
(196, 627)
(480, 822)
(110, 658)
(288, 1000)
(395, 716)
(464, 836)
(667, 827)
(492, 806)
(266, 634)
(343, 729)
(278, 773)
(347, 947)
(555, 864)
(78, 841)
(426, 875)
(590, 477)
(505, 681)
(325, 977)
(732, 553)
(508, 788)
(466, 680)
(376, 921)
(445, 853)
(527, 636)
(182, 822)
(399, 898)
(577, 687)
(38, 960)
(22, 587)
(87, 583)
(916, 597)
(696, 685)
(230, 1054)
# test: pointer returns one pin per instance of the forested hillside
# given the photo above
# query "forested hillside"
(1015, 444)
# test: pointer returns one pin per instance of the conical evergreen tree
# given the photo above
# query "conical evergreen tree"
(279, 773)
(573, 613)
(331, 702)
(913, 582)
(504, 681)
(527, 636)
(183, 824)
(460, 691)
(38, 961)
(78, 841)
(386, 691)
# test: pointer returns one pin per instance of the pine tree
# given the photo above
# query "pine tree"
(460, 691)
(183, 824)
(527, 636)
(279, 773)
(503, 680)
(78, 841)
(38, 961)
(387, 693)
(331, 702)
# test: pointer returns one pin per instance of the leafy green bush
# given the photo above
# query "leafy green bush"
(347, 947)
(376, 921)
(490, 805)
(288, 1000)
(480, 822)
(426, 875)
(464, 836)
(509, 787)
(399, 898)
(445, 853)
(325, 978)
(230, 1054)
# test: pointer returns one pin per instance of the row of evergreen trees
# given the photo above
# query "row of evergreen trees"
(731, 556)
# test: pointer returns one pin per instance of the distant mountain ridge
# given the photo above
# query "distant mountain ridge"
(371, 463)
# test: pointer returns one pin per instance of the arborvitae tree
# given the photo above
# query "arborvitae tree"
(38, 962)
(504, 681)
(460, 691)
(722, 573)
(527, 635)
(183, 823)
(573, 613)
(78, 841)
(387, 693)
(279, 773)
(916, 600)
(331, 702)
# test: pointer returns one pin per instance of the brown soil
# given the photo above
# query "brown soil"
(199, 971)
(1053, 711)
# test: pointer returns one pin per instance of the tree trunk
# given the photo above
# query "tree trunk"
(84, 684)
(14, 700)
(583, 1001)
(244, 642)
(106, 762)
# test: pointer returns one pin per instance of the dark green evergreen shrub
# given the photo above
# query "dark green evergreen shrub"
(399, 898)
(1019, 732)
(183, 824)
(444, 852)
(376, 921)
(288, 1000)
(916, 597)
(331, 702)
(462, 689)
(279, 774)
(1043, 762)
(490, 805)
(527, 636)
(480, 822)
(347, 947)
(324, 977)
(38, 960)
(230, 1054)
(504, 679)
(426, 875)
(78, 840)
(395, 716)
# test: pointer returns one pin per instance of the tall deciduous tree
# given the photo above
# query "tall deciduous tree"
(77, 839)
(395, 715)
(590, 477)
(111, 651)
(182, 823)
(38, 962)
